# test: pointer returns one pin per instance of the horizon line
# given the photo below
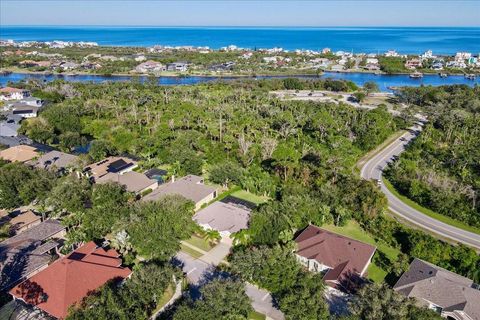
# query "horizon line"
(232, 26)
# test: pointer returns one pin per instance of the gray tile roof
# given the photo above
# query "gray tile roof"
(190, 187)
(26, 252)
(57, 159)
(441, 287)
(223, 216)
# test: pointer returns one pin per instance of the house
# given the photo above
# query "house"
(177, 66)
(24, 221)
(9, 93)
(118, 165)
(437, 65)
(32, 101)
(451, 295)
(342, 260)
(32, 63)
(23, 109)
(150, 66)
(67, 65)
(391, 53)
(26, 253)
(413, 63)
(69, 279)
(133, 181)
(190, 187)
(54, 160)
(337, 68)
(20, 153)
(224, 216)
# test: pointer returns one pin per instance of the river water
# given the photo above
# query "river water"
(384, 81)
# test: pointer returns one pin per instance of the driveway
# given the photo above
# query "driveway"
(199, 271)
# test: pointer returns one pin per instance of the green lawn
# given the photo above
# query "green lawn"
(199, 243)
(194, 253)
(254, 315)
(250, 197)
(428, 212)
(167, 295)
(354, 231)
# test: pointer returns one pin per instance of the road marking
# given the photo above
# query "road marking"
(265, 296)
(195, 268)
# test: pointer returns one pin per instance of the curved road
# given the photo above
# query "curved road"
(373, 169)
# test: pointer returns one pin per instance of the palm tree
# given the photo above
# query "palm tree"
(212, 236)
(242, 237)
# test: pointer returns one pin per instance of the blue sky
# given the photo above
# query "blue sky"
(242, 13)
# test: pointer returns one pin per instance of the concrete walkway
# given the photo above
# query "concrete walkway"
(177, 294)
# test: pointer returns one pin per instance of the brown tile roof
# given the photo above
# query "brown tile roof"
(110, 164)
(11, 90)
(450, 291)
(344, 256)
(20, 153)
(24, 219)
(133, 181)
(70, 279)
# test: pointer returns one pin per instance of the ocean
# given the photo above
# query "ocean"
(357, 39)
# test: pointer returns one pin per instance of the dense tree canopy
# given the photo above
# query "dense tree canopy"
(220, 299)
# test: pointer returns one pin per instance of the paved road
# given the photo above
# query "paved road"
(373, 170)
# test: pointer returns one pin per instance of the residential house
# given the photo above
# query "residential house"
(133, 181)
(413, 63)
(463, 55)
(9, 93)
(70, 279)
(427, 55)
(451, 295)
(191, 187)
(150, 66)
(26, 253)
(437, 65)
(225, 216)
(32, 63)
(337, 68)
(177, 66)
(23, 109)
(24, 221)
(20, 153)
(342, 260)
(391, 53)
(118, 165)
(32, 101)
(67, 65)
(54, 160)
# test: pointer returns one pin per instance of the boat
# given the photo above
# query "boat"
(416, 75)
(443, 75)
(470, 76)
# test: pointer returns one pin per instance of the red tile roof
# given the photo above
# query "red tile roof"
(11, 90)
(69, 279)
(344, 256)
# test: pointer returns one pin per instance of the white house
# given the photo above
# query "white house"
(9, 93)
